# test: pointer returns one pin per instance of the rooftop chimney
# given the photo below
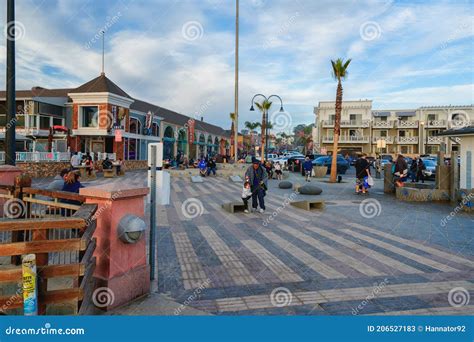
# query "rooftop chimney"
(202, 118)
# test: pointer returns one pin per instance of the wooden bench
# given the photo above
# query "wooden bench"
(110, 173)
(234, 207)
(309, 204)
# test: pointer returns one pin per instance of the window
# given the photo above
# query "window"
(402, 134)
(3, 120)
(57, 122)
(384, 118)
(404, 149)
(355, 118)
(332, 117)
(431, 117)
(383, 133)
(46, 108)
(32, 121)
(44, 122)
(89, 116)
(433, 133)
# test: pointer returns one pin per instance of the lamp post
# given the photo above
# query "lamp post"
(10, 155)
(265, 120)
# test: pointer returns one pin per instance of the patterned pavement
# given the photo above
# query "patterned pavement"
(306, 263)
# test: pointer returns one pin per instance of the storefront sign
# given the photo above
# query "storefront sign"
(118, 135)
(191, 132)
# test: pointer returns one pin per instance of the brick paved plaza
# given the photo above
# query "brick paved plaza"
(329, 262)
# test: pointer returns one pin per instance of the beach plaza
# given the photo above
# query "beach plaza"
(382, 254)
(108, 206)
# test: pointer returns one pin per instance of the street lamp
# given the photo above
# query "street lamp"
(265, 118)
(10, 155)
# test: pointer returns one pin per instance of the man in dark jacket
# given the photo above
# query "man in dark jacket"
(257, 176)
(211, 166)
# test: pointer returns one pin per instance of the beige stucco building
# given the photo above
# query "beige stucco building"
(407, 131)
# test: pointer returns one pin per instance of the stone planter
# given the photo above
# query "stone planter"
(320, 171)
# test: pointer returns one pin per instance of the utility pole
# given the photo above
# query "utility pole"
(10, 153)
(236, 90)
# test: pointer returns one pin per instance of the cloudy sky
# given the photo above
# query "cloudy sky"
(180, 54)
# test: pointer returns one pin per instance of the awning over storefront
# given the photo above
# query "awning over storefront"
(405, 113)
(379, 114)
(18, 137)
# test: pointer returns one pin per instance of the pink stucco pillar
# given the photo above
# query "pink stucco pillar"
(121, 268)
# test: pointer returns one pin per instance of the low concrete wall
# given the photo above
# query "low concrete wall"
(421, 195)
(43, 169)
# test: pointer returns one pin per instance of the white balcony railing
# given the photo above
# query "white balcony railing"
(459, 123)
(407, 124)
(348, 139)
(435, 140)
(29, 157)
(388, 140)
(36, 157)
(407, 140)
(382, 124)
(436, 124)
(348, 123)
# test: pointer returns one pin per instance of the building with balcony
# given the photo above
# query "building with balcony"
(406, 131)
(101, 118)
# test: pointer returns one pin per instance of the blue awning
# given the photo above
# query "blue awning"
(379, 114)
(405, 113)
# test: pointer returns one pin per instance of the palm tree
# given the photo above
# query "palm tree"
(339, 69)
(263, 107)
(251, 126)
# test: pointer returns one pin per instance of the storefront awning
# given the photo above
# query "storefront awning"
(18, 137)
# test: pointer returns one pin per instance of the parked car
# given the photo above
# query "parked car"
(342, 164)
(272, 156)
(430, 171)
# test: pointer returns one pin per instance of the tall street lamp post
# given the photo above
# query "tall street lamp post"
(10, 155)
(265, 120)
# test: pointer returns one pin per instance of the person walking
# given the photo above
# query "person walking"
(308, 168)
(211, 166)
(362, 167)
(246, 195)
(72, 184)
(278, 171)
(257, 176)
(419, 171)
(269, 169)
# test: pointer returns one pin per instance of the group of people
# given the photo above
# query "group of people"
(207, 166)
(416, 170)
(88, 162)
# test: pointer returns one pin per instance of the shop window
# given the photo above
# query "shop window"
(89, 116)
(45, 122)
(57, 122)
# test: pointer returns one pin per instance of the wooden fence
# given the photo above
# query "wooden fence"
(58, 228)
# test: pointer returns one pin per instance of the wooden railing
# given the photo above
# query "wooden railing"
(60, 234)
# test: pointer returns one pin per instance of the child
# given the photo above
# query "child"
(246, 194)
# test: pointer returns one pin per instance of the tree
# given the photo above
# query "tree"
(263, 107)
(339, 69)
(251, 126)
